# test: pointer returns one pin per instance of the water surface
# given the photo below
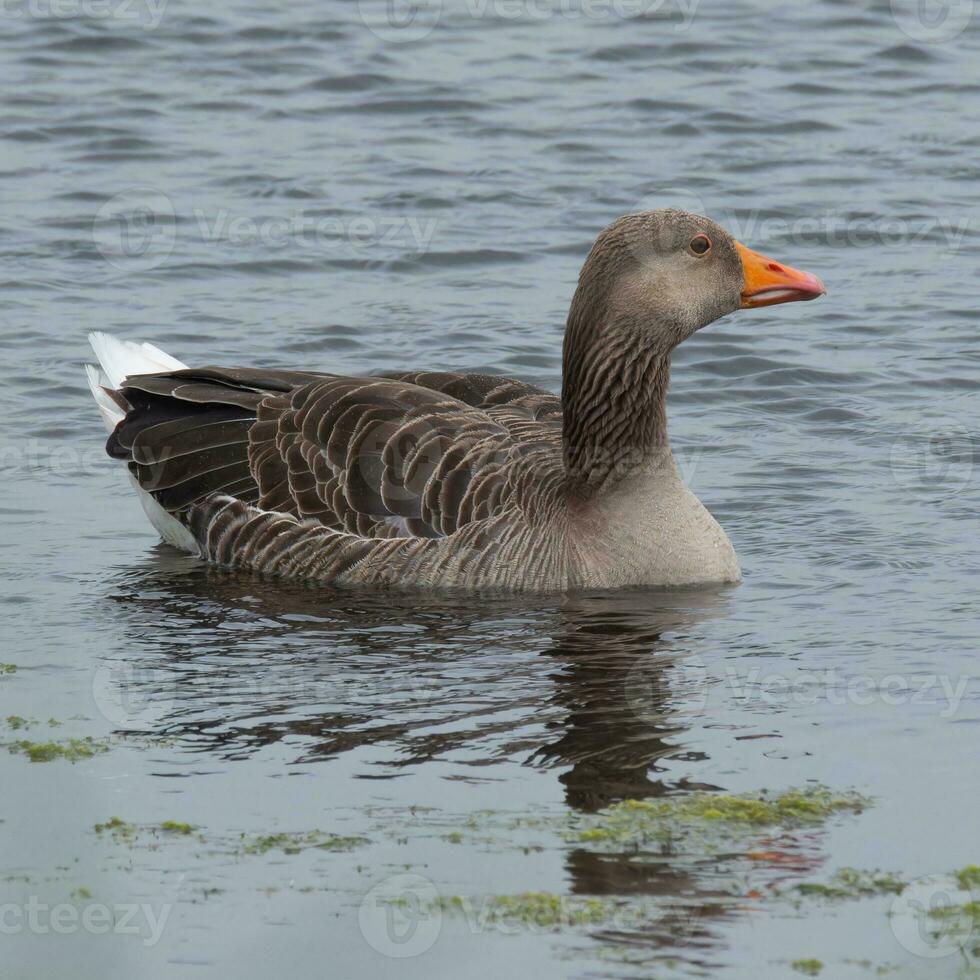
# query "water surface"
(307, 186)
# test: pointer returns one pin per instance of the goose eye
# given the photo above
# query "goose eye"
(700, 244)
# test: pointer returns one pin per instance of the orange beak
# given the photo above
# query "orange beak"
(768, 282)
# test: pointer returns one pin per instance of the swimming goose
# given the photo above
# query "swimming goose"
(430, 480)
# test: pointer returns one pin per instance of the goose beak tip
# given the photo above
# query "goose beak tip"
(768, 282)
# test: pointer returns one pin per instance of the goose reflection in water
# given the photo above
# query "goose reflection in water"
(228, 664)
(599, 688)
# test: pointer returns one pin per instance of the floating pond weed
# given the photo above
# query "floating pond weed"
(808, 967)
(293, 843)
(968, 877)
(72, 749)
(539, 910)
(850, 883)
(176, 827)
(633, 822)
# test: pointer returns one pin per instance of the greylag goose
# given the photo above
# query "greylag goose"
(428, 480)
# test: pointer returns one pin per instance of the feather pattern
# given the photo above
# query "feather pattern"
(428, 479)
(407, 478)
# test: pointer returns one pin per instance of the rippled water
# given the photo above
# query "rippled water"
(332, 187)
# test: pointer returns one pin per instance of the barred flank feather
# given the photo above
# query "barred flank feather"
(422, 479)
(443, 479)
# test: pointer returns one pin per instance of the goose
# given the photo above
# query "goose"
(443, 480)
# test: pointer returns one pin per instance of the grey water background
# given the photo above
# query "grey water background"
(348, 187)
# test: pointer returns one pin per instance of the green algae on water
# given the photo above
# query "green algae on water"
(175, 827)
(121, 831)
(546, 910)
(17, 722)
(113, 823)
(8, 668)
(808, 967)
(969, 877)
(152, 835)
(293, 843)
(71, 749)
(124, 832)
(851, 883)
(955, 919)
(533, 910)
(878, 969)
(635, 821)
(959, 925)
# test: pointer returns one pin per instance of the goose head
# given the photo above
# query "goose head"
(659, 276)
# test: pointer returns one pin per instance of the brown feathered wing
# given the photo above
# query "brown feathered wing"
(408, 455)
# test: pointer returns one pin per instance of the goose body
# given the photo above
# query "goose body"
(431, 480)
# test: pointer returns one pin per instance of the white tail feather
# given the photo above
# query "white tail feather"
(121, 359)
(112, 414)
